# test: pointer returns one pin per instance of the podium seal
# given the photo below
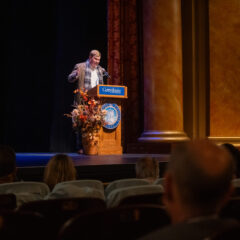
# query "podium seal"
(113, 115)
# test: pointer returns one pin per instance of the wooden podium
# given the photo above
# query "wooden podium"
(110, 135)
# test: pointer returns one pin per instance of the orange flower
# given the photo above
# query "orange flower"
(87, 115)
(76, 91)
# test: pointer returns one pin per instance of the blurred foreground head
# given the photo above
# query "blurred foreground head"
(198, 179)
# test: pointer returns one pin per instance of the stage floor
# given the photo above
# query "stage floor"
(103, 167)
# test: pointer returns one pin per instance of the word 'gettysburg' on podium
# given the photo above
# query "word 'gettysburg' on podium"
(115, 91)
(110, 135)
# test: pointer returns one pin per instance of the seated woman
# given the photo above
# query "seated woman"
(59, 168)
(8, 167)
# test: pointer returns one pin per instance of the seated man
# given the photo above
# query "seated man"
(198, 182)
(236, 156)
(147, 168)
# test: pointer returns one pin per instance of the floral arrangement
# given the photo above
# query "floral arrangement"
(87, 116)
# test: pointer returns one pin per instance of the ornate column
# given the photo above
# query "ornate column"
(162, 71)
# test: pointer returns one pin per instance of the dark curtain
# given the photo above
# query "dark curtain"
(43, 40)
(124, 65)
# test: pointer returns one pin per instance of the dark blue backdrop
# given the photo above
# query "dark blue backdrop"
(43, 40)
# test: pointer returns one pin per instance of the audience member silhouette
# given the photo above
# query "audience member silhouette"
(198, 182)
(236, 156)
(147, 168)
(59, 168)
(8, 167)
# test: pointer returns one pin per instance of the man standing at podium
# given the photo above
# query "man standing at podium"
(87, 75)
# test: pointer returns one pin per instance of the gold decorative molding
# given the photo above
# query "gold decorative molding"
(163, 136)
(220, 140)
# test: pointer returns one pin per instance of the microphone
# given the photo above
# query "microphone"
(105, 73)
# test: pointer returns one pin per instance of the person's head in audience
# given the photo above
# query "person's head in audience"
(236, 156)
(59, 168)
(8, 167)
(147, 168)
(198, 180)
